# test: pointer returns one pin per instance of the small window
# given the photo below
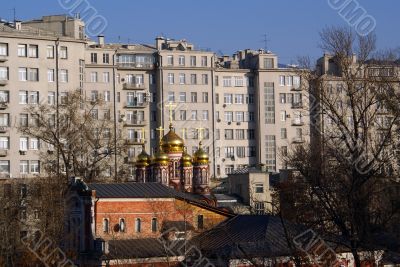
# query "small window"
(105, 225)
(200, 221)
(154, 225)
(259, 188)
(138, 225)
(122, 227)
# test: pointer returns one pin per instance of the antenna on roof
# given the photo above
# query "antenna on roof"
(14, 15)
(265, 41)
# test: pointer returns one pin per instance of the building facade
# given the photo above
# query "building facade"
(247, 109)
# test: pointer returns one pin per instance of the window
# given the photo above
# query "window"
(240, 134)
(23, 120)
(34, 143)
(281, 80)
(241, 151)
(94, 95)
(284, 151)
(106, 77)
(106, 58)
(239, 116)
(229, 151)
(227, 81)
(193, 97)
(138, 225)
(170, 60)
(227, 98)
(170, 78)
(4, 119)
(4, 96)
(171, 97)
(182, 115)
(296, 81)
(22, 74)
(23, 97)
(268, 63)
(193, 116)
(107, 96)
(283, 115)
(200, 221)
(94, 113)
(259, 188)
(34, 97)
(122, 226)
(182, 78)
(299, 133)
(21, 50)
(193, 78)
(228, 134)
(33, 75)
(23, 143)
(63, 76)
(50, 51)
(204, 78)
(105, 225)
(93, 77)
(204, 61)
(63, 52)
(3, 49)
(238, 81)
(4, 166)
(228, 116)
(289, 80)
(154, 225)
(93, 58)
(35, 166)
(182, 96)
(282, 98)
(50, 75)
(238, 99)
(205, 97)
(205, 115)
(181, 60)
(259, 208)
(193, 61)
(283, 133)
(4, 143)
(3, 73)
(51, 98)
(33, 51)
(24, 166)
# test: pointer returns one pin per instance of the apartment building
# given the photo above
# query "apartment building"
(247, 109)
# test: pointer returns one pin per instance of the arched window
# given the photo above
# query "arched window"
(138, 225)
(105, 225)
(154, 225)
(200, 221)
(122, 225)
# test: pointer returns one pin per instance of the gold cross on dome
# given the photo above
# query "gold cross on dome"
(161, 130)
(171, 107)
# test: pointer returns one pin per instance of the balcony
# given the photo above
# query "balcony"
(298, 140)
(297, 105)
(3, 129)
(3, 105)
(297, 122)
(295, 88)
(3, 82)
(135, 123)
(3, 59)
(135, 104)
(133, 65)
(133, 86)
(134, 141)
(3, 153)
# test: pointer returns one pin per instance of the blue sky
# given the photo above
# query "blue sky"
(291, 26)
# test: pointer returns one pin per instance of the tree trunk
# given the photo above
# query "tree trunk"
(357, 261)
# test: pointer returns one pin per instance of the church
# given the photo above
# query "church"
(172, 166)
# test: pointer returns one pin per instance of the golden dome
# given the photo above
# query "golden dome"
(171, 142)
(161, 157)
(186, 159)
(201, 157)
(143, 158)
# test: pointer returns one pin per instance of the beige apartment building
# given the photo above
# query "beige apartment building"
(247, 109)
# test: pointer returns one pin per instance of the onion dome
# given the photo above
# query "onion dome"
(200, 157)
(171, 142)
(161, 157)
(186, 159)
(143, 158)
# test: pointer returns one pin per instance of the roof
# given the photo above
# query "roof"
(177, 225)
(244, 235)
(140, 249)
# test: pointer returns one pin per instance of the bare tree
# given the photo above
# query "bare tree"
(80, 141)
(344, 177)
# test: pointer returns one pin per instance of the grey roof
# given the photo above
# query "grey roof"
(248, 235)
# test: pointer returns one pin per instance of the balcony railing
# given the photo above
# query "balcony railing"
(296, 88)
(3, 82)
(134, 141)
(297, 122)
(298, 140)
(135, 65)
(3, 129)
(135, 123)
(3, 58)
(133, 86)
(3, 153)
(135, 104)
(297, 105)
(3, 105)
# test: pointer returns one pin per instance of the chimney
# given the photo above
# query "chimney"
(101, 40)
(18, 25)
(159, 42)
